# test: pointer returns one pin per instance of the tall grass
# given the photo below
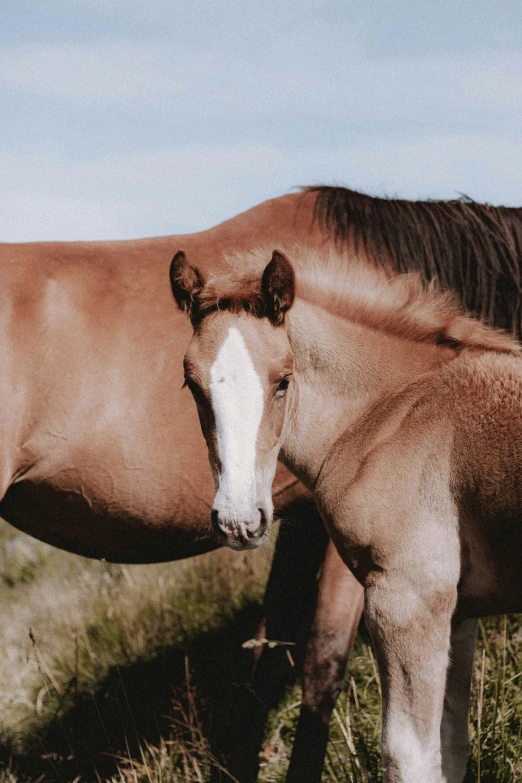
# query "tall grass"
(90, 652)
(114, 673)
(353, 752)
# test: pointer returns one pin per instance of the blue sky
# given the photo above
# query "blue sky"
(122, 118)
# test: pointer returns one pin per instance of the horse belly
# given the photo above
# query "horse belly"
(101, 510)
(156, 510)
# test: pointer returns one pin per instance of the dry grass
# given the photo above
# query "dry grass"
(118, 669)
(77, 634)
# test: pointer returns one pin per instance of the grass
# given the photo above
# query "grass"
(114, 674)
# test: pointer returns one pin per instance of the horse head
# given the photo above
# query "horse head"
(238, 368)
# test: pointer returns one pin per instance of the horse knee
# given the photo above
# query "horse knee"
(337, 616)
(323, 678)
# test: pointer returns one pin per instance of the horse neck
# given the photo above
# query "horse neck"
(341, 371)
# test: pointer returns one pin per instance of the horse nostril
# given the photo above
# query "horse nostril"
(261, 527)
(214, 516)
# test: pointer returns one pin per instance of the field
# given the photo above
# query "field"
(111, 673)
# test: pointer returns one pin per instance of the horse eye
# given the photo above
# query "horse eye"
(282, 386)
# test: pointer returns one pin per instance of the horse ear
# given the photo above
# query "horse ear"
(186, 281)
(278, 287)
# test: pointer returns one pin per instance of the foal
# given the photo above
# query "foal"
(404, 418)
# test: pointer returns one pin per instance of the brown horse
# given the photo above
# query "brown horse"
(99, 454)
(404, 417)
(99, 457)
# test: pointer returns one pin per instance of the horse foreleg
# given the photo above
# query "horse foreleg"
(288, 608)
(339, 608)
(454, 727)
(410, 623)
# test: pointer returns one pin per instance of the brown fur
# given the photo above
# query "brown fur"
(236, 294)
(99, 454)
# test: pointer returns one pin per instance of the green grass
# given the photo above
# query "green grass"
(495, 715)
(114, 673)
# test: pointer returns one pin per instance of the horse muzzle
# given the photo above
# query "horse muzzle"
(247, 530)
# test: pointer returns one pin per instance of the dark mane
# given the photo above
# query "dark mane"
(473, 249)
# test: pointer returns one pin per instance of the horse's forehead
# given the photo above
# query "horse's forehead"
(233, 339)
(233, 356)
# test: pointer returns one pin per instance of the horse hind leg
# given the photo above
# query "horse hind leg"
(338, 612)
(455, 743)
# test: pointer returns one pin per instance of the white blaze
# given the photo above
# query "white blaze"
(237, 401)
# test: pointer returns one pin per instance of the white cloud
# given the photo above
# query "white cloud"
(294, 80)
(222, 109)
(498, 82)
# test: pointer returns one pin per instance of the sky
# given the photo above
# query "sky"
(129, 118)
